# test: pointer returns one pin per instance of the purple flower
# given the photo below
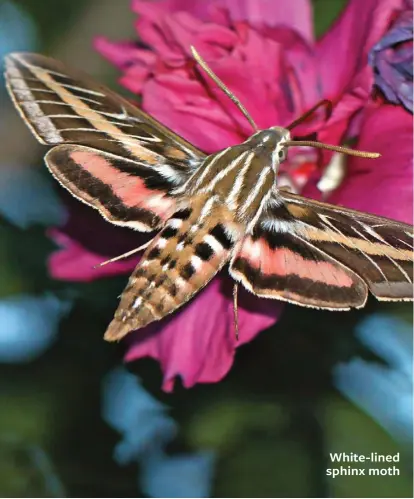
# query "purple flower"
(392, 60)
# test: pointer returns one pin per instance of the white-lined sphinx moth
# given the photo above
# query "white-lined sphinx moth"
(224, 208)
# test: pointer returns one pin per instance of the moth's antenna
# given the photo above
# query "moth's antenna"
(223, 87)
(321, 145)
(328, 109)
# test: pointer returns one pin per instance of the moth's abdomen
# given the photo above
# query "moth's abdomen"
(195, 243)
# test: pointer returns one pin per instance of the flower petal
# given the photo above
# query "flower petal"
(198, 343)
(238, 52)
(262, 14)
(155, 9)
(383, 186)
(349, 41)
(163, 100)
(87, 239)
(73, 262)
(392, 61)
(296, 14)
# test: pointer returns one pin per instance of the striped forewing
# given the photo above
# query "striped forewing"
(112, 156)
(64, 105)
(315, 254)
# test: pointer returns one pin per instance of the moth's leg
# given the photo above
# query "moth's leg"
(125, 255)
(235, 310)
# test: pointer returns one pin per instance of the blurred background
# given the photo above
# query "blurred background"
(75, 422)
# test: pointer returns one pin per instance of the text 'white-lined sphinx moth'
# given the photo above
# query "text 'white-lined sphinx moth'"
(209, 211)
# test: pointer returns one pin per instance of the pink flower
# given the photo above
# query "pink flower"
(269, 59)
(383, 186)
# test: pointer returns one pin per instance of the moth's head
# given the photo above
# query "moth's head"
(269, 145)
(281, 136)
(270, 142)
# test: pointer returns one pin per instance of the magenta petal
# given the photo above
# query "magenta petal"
(254, 91)
(262, 14)
(383, 186)
(349, 106)
(73, 262)
(183, 112)
(198, 342)
(259, 14)
(136, 63)
(154, 9)
(343, 51)
(119, 53)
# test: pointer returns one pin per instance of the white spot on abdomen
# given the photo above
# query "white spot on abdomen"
(213, 243)
(162, 242)
(137, 302)
(175, 223)
(196, 262)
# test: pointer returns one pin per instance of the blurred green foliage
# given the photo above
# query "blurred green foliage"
(272, 421)
(52, 18)
(325, 12)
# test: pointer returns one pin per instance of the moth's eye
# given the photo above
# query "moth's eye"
(282, 154)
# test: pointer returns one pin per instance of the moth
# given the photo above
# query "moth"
(208, 210)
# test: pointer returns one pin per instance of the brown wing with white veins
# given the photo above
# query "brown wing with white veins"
(108, 153)
(325, 256)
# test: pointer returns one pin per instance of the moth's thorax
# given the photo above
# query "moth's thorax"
(241, 176)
